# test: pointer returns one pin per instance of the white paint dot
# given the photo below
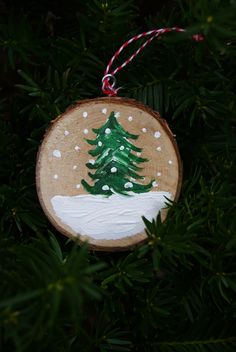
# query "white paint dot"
(107, 131)
(99, 143)
(113, 169)
(66, 133)
(157, 134)
(85, 114)
(92, 161)
(138, 154)
(154, 184)
(144, 130)
(85, 131)
(132, 179)
(128, 185)
(117, 114)
(77, 186)
(158, 173)
(74, 167)
(170, 162)
(104, 111)
(105, 188)
(122, 147)
(77, 147)
(158, 149)
(130, 118)
(56, 153)
(55, 177)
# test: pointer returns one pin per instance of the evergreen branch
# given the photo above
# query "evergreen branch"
(220, 341)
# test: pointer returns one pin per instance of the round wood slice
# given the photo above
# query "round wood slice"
(112, 222)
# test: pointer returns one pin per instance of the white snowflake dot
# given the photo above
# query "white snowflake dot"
(85, 131)
(99, 143)
(66, 133)
(107, 131)
(92, 161)
(132, 179)
(128, 185)
(144, 130)
(138, 154)
(170, 162)
(55, 177)
(56, 153)
(77, 186)
(77, 147)
(158, 149)
(158, 173)
(130, 118)
(85, 114)
(154, 184)
(105, 188)
(157, 134)
(122, 147)
(117, 114)
(74, 167)
(113, 169)
(104, 111)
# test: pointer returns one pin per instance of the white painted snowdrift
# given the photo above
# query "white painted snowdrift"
(106, 218)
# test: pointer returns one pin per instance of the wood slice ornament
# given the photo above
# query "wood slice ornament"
(107, 162)
(104, 164)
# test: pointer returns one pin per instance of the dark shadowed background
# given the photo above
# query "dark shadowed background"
(176, 292)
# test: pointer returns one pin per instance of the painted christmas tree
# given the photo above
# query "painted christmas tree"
(116, 165)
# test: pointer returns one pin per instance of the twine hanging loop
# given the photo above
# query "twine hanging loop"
(109, 81)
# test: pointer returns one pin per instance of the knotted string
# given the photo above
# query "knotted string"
(109, 81)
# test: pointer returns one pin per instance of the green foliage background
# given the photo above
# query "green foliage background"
(175, 293)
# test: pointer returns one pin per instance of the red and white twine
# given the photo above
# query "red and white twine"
(109, 81)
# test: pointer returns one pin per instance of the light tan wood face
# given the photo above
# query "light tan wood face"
(64, 153)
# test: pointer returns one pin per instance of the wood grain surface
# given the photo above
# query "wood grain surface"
(62, 158)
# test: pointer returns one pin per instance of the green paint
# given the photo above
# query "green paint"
(116, 161)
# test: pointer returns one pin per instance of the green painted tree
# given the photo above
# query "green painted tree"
(116, 164)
